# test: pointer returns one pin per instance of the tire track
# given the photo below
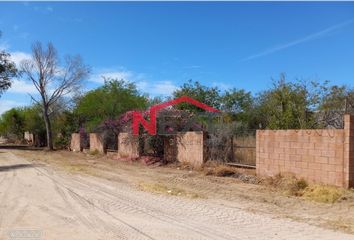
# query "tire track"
(134, 206)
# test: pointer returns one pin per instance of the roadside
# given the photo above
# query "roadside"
(189, 184)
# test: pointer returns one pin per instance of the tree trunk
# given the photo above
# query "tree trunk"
(48, 128)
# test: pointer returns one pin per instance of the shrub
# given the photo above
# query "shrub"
(323, 194)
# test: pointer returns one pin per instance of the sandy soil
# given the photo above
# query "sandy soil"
(64, 195)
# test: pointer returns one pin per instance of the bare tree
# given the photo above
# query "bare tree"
(52, 81)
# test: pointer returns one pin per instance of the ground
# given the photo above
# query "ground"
(65, 195)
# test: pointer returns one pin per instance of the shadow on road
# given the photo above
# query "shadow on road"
(17, 166)
(21, 147)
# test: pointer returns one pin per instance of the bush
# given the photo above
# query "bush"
(323, 194)
(288, 184)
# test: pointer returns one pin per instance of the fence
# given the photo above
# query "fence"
(322, 155)
(238, 148)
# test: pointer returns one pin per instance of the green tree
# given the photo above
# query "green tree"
(238, 104)
(34, 122)
(64, 124)
(7, 70)
(287, 105)
(197, 91)
(12, 124)
(114, 98)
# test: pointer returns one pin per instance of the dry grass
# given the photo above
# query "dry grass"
(163, 189)
(94, 152)
(291, 186)
(343, 224)
(221, 171)
(287, 184)
(323, 193)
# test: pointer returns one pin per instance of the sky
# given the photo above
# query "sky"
(161, 45)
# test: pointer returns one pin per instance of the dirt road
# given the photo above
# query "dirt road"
(39, 202)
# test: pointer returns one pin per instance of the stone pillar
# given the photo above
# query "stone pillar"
(97, 143)
(348, 151)
(169, 149)
(128, 146)
(75, 144)
(190, 148)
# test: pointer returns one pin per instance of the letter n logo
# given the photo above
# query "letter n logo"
(138, 119)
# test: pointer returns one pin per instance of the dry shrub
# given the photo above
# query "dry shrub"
(291, 186)
(213, 168)
(288, 184)
(163, 189)
(94, 152)
(323, 193)
(221, 171)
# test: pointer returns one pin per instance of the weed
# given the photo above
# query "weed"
(323, 193)
(163, 189)
(94, 152)
(288, 184)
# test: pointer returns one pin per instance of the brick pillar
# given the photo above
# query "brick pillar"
(348, 151)
(75, 144)
(170, 149)
(190, 148)
(96, 143)
(128, 146)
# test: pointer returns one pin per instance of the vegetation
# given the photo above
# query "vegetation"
(52, 81)
(7, 70)
(110, 101)
(61, 109)
(286, 105)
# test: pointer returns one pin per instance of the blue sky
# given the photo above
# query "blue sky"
(161, 45)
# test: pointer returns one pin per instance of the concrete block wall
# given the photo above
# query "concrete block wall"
(322, 156)
(97, 143)
(349, 151)
(29, 137)
(128, 146)
(190, 148)
(75, 144)
(170, 149)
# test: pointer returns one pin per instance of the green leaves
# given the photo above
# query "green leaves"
(7, 71)
(109, 101)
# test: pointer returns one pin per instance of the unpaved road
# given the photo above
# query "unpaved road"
(49, 204)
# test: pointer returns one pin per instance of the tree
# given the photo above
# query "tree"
(287, 105)
(197, 91)
(335, 101)
(52, 81)
(12, 123)
(7, 71)
(108, 102)
(34, 123)
(238, 104)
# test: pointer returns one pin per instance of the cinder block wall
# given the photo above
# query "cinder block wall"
(128, 146)
(96, 143)
(75, 144)
(190, 148)
(323, 156)
(349, 151)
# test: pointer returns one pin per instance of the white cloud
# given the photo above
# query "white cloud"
(307, 38)
(163, 88)
(44, 10)
(158, 88)
(20, 86)
(17, 57)
(8, 104)
(99, 77)
(222, 86)
(153, 88)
